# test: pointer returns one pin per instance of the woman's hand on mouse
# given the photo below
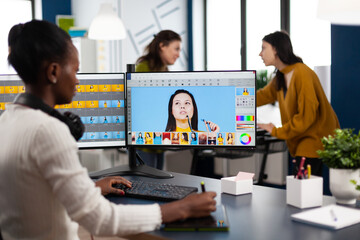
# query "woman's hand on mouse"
(106, 185)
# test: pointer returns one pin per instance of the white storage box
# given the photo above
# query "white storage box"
(231, 186)
(304, 193)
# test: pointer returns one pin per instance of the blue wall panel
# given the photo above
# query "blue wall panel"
(55, 7)
(345, 75)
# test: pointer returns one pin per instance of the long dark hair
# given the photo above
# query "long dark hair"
(282, 44)
(34, 43)
(185, 135)
(171, 124)
(153, 50)
(140, 135)
(228, 137)
(193, 138)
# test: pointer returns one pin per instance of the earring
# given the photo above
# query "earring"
(54, 81)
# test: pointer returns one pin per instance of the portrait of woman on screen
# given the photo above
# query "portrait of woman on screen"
(183, 114)
(140, 139)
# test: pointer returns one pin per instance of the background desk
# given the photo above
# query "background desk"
(263, 214)
(266, 144)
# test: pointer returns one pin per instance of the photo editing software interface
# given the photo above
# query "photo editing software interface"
(99, 102)
(191, 108)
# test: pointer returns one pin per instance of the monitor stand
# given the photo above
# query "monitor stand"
(132, 169)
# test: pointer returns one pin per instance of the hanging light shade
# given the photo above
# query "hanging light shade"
(106, 25)
(343, 12)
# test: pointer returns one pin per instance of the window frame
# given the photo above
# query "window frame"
(284, 24)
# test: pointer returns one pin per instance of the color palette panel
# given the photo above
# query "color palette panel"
(245, 118)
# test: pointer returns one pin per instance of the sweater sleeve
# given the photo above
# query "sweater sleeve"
(307, 107)
(267, 94)
(55, 152)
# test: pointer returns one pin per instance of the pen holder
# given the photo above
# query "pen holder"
(230, 186)
(304, 193)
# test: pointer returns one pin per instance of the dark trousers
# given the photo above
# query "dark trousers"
(315, 163)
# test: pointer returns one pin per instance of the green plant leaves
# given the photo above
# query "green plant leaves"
(261, 79)
(357, 187)
(342, 150)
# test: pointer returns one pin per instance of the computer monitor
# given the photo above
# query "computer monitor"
(191, 109)
(99, 102)
(10, 86)
(187, 110)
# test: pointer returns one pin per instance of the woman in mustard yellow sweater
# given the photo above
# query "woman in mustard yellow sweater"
(306, 114)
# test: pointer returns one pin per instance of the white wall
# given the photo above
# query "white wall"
(11, 13)
(142, 19)
(108, 53)
(85, 10)
(324, 74)
(38, 9)
(198, 36)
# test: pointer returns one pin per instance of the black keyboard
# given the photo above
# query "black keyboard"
(156, 190)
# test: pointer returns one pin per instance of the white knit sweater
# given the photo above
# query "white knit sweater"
(44, 190)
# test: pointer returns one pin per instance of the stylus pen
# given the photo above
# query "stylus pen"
(189, 122)
(202, 186)
(333, 215)
(208, 124)
(299, 176)
(296, 170)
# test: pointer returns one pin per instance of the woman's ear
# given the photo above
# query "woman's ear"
(275, 52)
(52, 72)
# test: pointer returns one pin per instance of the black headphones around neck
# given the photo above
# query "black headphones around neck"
(73, 121)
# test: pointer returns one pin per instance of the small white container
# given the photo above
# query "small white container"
(304, 193)
(230, 186)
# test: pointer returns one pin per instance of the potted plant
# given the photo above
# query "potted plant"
(262, 79)
(341, 154)
(355, 183)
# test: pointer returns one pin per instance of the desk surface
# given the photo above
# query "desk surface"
(263, 214)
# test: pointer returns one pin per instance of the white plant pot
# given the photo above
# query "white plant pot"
(341, 187)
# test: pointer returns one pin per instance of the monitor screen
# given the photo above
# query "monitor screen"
(99, 102)
(191, 109)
